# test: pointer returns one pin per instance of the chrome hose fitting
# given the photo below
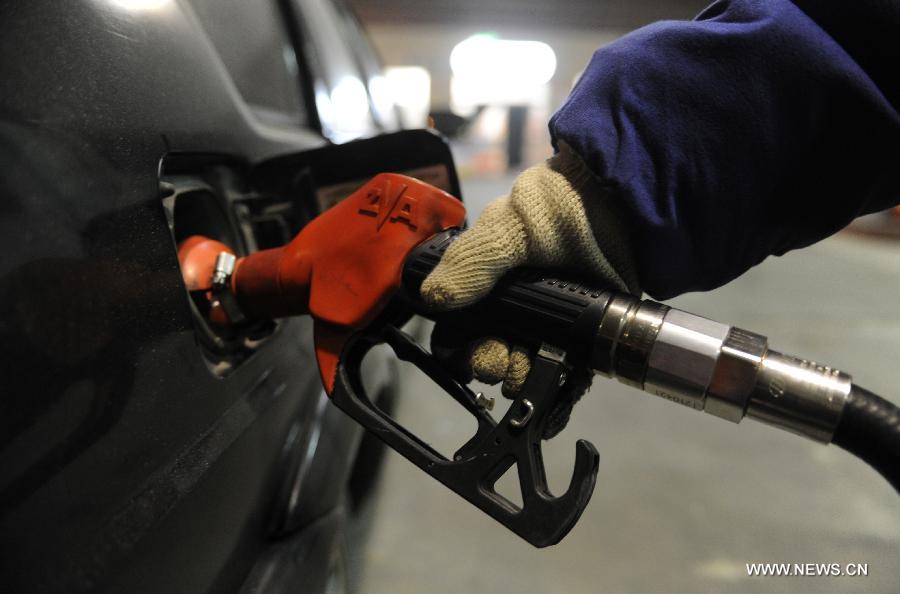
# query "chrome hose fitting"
(221, 286)
(719, 369)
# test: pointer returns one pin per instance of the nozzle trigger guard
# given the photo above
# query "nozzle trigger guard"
(543, 519)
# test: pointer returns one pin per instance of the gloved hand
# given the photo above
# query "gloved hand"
(557, 216)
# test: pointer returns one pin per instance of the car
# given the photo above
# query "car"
(143, 448)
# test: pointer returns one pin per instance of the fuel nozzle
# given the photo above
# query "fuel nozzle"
(723, 370)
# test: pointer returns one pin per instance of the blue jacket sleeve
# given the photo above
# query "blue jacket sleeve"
(760, 127)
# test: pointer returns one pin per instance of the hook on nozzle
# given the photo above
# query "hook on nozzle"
(543, 519)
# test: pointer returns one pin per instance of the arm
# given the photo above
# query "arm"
(760, 127)
(691, 151)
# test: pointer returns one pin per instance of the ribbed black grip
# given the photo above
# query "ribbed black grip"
(526, 306)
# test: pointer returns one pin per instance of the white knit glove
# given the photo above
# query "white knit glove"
(557, 216)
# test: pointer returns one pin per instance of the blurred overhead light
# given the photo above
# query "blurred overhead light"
(503, 61)
(501, 72)
(350, 109)
(411, 89)
(324, 108)
(138, 5)
(349, 98)
(383, 100)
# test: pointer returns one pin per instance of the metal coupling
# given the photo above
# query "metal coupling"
(223, 270)
(722, 370)
(799, 396)
(684, 358)
(735, 375)
(221, 286)
(625, 336)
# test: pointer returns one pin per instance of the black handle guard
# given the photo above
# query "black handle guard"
(543, 519)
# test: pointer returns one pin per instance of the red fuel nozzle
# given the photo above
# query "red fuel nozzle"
(342, 268)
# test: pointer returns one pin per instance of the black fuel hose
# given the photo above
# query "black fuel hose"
(870, 430)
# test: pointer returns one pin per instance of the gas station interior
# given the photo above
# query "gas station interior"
(213, 225)
(681, 499)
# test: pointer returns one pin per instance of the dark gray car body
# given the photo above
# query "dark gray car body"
(126, 462)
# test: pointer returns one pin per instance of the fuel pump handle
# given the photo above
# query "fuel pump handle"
(357, 269)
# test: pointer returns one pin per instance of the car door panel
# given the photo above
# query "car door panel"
(127, 464)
